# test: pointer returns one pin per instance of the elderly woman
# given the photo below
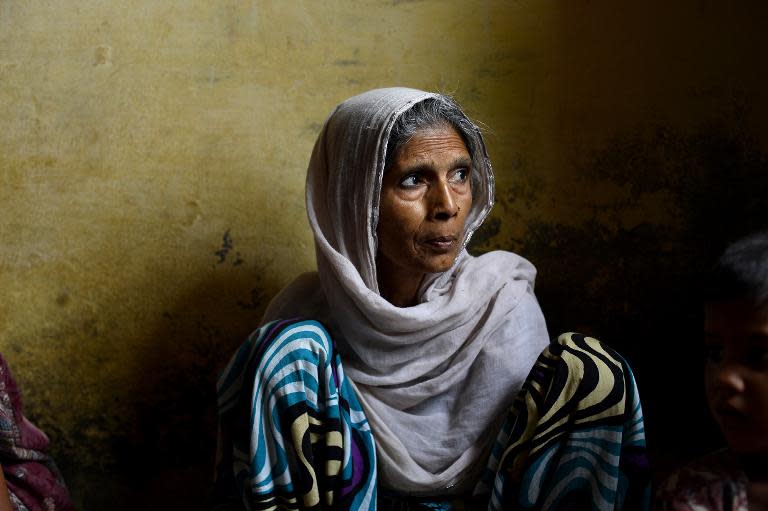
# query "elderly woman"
(406, 373)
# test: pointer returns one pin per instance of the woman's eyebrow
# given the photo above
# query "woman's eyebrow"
(463, 161)
(416, 167)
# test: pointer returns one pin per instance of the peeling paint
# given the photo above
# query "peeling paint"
(103, 56)
(226, 246)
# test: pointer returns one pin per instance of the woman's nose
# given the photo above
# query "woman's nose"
(443, 203)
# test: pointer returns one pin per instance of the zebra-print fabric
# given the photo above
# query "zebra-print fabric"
(574, 438)
(292, 434)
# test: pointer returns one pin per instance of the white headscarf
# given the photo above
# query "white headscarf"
(434, 379)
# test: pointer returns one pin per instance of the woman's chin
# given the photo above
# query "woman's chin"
(440, 264)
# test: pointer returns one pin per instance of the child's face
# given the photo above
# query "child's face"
(736, 336)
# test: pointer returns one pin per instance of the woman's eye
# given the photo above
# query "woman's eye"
(410, 181)
(460, 175)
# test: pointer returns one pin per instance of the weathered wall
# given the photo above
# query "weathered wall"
(152, 160)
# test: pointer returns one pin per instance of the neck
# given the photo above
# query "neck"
(398, 286)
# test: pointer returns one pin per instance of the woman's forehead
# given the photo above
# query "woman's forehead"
(433, 142)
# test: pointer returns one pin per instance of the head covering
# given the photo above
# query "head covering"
(345, 175)
(432, 378)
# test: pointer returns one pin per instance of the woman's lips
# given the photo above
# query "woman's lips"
(440, 244)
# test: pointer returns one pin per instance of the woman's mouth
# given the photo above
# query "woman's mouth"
(441, 244)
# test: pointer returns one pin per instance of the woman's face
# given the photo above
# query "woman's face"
(736, 336)
(425, 198)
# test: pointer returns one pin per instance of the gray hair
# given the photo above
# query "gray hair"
(434, 112)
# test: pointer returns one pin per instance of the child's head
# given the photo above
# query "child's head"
(736, 332)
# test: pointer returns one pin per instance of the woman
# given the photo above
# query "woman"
(398, 388)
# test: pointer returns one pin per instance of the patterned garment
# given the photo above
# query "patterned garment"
(573, 439)
(292, 434)
(34, 483)
(715, 482)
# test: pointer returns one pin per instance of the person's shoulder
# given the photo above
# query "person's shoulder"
(526, 315)
(302, 297)
(503, 256)
(503, 261)
(720, 464)
(306, 282)
(704, 482)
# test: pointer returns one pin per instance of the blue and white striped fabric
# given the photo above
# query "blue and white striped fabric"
(292, 434)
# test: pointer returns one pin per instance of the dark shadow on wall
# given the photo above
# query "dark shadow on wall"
(638, 288)
(161, 454)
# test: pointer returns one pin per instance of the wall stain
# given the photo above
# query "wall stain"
(62, 299)
(718, 178)
(256, 300)
(347, 62)
(484, 235)
(102, 56)
(313, 128)
(226, 246)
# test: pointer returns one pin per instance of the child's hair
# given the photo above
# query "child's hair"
(741, 273)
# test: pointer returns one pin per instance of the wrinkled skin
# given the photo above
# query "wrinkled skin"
(425, 198)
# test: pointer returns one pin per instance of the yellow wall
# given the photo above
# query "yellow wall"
(152, 160)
